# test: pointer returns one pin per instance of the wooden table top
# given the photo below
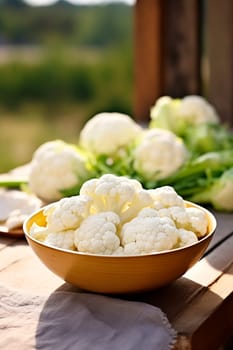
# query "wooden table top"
(199, 305)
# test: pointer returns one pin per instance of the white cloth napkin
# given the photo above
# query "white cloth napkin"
(80, 321)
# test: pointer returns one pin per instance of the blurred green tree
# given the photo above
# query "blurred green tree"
(12, 3)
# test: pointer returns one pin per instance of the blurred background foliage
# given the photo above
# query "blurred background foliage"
(59, 66)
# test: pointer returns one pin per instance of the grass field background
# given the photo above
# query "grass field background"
(59, 66)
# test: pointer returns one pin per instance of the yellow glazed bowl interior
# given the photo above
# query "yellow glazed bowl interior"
(118, 274)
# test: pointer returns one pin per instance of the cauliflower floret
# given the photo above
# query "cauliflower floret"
(198, 222)
(159, 154)
(177, 214)
(119, 194)
(15, 206)
(119, 251)
(68, 213)
(196, 110)
(56, 166)
(98, 234)
(191, 219)
(62, 218)
(38, 232)
(166, 197)
(144, 235)
(148, 212)
(107, 133)
(64, 240)
(185, 238)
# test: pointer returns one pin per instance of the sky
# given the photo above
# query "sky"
(82, 2)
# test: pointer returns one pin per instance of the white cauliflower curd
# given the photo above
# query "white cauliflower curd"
(197, 110)
(114, 215)
(56, 166)
(186, 237)
(180, 114)
(64, 240)
(169, 204)
(165, 197)
(146, 234)
(68, 214)
(108, 133)
(197, 221)
(98, 234)
(124, 196)
(159, 154)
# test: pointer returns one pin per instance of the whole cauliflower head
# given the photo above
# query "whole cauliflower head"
(164, 114)
(159, 154)
(98, 234)
(197, 110)
(56, 166)
(108, 133)
(220, 194)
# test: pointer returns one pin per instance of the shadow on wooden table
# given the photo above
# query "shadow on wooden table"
(219, 252)
(173, 300)
(83, 320)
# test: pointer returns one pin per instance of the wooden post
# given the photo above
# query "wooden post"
(167, 51)
(219, 41)
(182, 44)
(148, 56)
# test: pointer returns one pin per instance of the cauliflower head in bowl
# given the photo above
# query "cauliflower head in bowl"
(114, 215)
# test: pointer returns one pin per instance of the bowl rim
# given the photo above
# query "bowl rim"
(211, 216)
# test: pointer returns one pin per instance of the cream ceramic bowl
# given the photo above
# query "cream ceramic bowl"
(118, 274)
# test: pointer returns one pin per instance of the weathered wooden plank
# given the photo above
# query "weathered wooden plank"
(221, 324)
(219, 56)
(182, 343)
(167, 51)
(13, 253)
(224, 227)
(184, 291)
(20, 266)
(202, 275)
(207, 284)
(181, 56)
(206, 312)
(205, 303)
(22, 270)
(209, 269)
(148, 60)
(5, 241)
(214, 334)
